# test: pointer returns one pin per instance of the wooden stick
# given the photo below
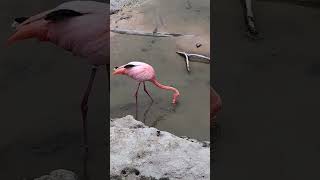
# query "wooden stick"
(186, 59)
(143, 33)
(187, 55)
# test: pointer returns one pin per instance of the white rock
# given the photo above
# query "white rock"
(143, 151)
(116, 5)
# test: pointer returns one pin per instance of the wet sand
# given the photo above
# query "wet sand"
(269, 123)
(191, 116)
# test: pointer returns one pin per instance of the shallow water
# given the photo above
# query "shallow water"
(191, 116)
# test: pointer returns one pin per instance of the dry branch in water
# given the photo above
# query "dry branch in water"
(143, 33)
(205, 59)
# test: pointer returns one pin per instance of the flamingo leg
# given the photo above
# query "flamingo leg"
(145, 90)
(84, 107)
(136, 95)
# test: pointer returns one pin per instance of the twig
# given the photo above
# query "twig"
(143, 33)
(201, 56)
(188, 60)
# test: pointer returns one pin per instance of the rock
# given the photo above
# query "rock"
(59, 174)
(141, 152)
(198, 45)
(117, 5)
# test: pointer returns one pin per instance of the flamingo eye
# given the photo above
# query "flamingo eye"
(116, 67)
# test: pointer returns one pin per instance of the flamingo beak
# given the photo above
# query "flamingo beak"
(118, 71)
(36, 29)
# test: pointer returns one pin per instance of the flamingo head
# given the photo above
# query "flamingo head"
(52, 24)
(122, 69)
(128, 68)
(36, 29)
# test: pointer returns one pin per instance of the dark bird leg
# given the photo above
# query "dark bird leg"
(84, 106)
(145, 90)
(84, 111)
(136, 95)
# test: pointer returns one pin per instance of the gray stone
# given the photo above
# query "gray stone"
(116, 5)
(59, 174)
(138, 152)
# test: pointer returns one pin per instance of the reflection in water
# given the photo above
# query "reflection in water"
(136, 95)
(146, 112)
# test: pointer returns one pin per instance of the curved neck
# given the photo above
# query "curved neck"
(161, 86)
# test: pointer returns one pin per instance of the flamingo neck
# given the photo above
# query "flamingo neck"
(161, 86)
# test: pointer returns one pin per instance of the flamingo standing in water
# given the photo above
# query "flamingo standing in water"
(81, 27)
(143, 72)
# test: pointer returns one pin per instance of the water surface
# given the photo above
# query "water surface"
(191, 116)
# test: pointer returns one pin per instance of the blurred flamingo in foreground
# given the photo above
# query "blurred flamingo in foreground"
(215, 105)
(81, 27)
(143, 72)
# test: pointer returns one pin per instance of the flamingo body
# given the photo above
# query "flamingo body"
(142, 72)
(138, 71)
(80, 27)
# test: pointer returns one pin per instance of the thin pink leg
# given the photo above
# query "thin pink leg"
(145, 90)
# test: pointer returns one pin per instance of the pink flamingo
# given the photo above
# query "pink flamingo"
(143, 72)
(81, 27)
